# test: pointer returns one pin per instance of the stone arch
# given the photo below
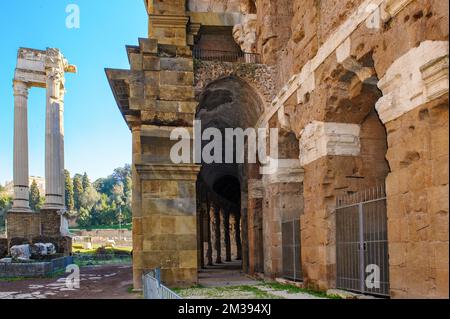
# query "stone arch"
(258, 76)
(230, 102)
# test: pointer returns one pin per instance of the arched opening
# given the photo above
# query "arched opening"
(222, 186)
(252, 7)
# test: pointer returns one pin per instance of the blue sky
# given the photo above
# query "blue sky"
(97, 139)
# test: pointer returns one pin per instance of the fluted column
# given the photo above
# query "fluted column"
(62, 93)
(21, 174)
(53, 146)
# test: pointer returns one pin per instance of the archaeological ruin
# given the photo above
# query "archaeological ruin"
(40, 69)
(358, 90)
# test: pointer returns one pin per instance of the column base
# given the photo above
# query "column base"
(22, 224)
(51, 221)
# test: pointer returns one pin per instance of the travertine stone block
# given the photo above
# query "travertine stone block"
(416, 78)
(320, 139)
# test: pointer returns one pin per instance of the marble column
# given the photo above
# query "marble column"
(62, 93)
(53, 145)
(21, 174)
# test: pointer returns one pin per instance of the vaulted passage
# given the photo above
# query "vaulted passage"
(227, 103)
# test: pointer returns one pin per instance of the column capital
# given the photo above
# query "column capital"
(54, 74)
(20, 88)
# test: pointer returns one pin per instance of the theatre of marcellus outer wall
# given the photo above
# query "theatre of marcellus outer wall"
(359, 92)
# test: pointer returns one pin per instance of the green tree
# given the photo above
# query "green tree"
(5, 205)
(89, 198)
(86, 181)
(35, 197)
(77, 191)
(69, 194)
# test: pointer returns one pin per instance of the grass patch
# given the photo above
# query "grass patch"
(291, 289)
(228, 292)
(77, 248)
(98, 262)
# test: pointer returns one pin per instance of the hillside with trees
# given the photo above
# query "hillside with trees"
(103, 203)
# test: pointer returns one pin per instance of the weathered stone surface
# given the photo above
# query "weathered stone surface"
(330, 63)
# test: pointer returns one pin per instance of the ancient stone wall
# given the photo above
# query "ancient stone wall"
(362, 85)
(348, 77)
(418, 201)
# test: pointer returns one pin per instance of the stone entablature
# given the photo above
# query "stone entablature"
(414, 79)
(320, 139)
(32, 65)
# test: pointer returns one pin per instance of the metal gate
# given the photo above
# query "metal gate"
(290, 234)
(361, 242)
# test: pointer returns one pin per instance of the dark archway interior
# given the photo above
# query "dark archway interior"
(226, 103)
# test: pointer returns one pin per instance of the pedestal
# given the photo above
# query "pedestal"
(22, 225)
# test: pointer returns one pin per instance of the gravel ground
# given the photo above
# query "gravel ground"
(96, 282)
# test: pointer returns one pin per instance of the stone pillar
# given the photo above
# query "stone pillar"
(238, 236)
(415, 113)
(282, 190)
(255, 236)
(217, 232)
(200, 230)
(158, 93)
(21, 174)
(209, 250)
(136, 207)
(328, 152)
(53, 145)
(226, 230)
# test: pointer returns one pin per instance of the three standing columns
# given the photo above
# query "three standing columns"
(42, 69)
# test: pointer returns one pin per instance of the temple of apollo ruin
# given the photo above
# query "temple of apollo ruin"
(46, 70)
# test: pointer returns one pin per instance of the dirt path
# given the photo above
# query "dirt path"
(96, 282)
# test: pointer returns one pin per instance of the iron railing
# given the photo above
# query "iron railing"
(154, 289)
(226, 56)
(361, 242)
(291, 250)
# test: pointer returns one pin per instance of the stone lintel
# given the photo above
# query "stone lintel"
(320, 139)
(182, 172)
(416, 78)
